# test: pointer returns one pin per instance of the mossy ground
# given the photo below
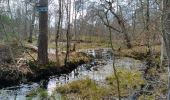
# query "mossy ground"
(85, 89)
(130, 81)
(89, 90)
(39, 93)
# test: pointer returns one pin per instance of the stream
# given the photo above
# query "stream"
(98, 70)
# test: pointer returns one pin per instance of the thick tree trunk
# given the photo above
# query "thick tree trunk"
(43, 34)
(166, 35)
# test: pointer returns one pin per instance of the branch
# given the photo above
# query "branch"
(106, 24)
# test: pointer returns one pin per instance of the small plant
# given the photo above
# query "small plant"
(33, 65)
(39, 92)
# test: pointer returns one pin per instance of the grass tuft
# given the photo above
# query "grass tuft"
(83, 89)
(129, 80)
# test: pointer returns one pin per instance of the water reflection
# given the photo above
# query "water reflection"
(97, 70)
(17, 92)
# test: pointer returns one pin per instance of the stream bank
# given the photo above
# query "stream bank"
(25, 71)
(99, 69)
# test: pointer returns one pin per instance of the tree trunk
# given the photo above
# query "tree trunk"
(126, 36)
(57, 33)
(121, 22)
(166, 35)
(43, 34)
(68, 31)
(25, 26)
(147, 28)
(32, 26)
(75, 27)
(114, 68)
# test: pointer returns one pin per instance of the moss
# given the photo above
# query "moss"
(83, 89)
(129, 80)
(87, 89)
(40, 93)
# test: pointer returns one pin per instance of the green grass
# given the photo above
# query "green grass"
(129, 80)
(40, 93)
(85, 89)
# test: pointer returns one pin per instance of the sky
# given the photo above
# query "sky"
(54, 6)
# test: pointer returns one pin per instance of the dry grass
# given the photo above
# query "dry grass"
(139, 52)
(74, 57)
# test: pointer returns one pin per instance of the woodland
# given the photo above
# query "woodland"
(84, 49)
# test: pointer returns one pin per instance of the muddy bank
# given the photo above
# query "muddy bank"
(14, 74)
(44, 73)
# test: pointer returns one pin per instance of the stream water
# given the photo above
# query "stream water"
(97, 70)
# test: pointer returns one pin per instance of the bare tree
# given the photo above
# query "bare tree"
(120, 21)
(105, 20)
